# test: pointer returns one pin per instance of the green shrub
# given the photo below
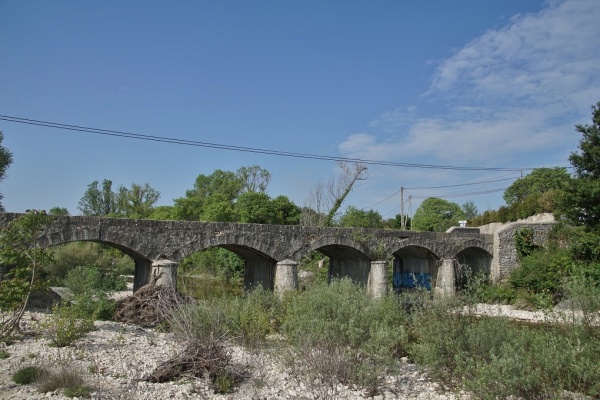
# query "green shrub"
(338, 332)
(4, 354)
(65, 325)
(215, 262)
(27, 375)
(94, 307)
(496, 358)
(502, 294)
(85, 279)
(255, 315)
(544, 270)
(342, 314)
(224, 382)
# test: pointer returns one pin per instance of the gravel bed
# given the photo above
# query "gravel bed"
(115, 357)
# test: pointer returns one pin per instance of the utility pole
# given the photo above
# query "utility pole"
(402, 217)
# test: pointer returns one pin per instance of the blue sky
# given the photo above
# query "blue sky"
(466, 83)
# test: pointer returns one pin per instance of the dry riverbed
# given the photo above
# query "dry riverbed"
(115, 357)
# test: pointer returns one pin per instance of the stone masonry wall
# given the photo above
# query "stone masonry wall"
(505, 253)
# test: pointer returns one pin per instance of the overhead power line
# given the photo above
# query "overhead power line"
(164, 139)
(502, 178)
(464, 194)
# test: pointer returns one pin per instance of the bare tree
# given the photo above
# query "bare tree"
(326, 200)
(313, 213)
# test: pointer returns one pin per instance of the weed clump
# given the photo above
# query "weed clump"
(27, 375)
(66, 378)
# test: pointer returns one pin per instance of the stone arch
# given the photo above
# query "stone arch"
(259, 267)
(347, 257)
(245, 244)
(414, 266)
(331, 241)
(143, 264)
(472, 261)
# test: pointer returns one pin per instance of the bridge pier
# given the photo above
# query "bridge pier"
(377, 281)
(286, 276)
(445, 284)
(164, 273)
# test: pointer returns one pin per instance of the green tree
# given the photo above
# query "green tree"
(470, 209)
(163, 213)
(538, 192)
(221, 188)
(58, 211)
(136, 202)
(5, 161)
(539, 181)
(254, 207)
(353, 217)
(436, 215)
(286, 212)
(582, 201)
(214, 196)
(254, 179)
(19, 252)
(98, 202)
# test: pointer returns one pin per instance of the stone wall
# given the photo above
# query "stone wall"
(505, 253)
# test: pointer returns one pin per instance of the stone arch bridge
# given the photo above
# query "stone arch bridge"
(271, 252)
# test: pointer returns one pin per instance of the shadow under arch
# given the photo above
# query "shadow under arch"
(414, 267)
(474, 262)
(259, 268)
(347, 262)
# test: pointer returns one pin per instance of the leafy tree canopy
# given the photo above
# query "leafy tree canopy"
(437, 215)
(135, 202)
(235, 197)
(286, 212)
(5, 161)
(163, 213)
(253, 207)
(582, 202)
(98, 201)
(538, 182)
(470, 209)
(58, 211)
(353, 217)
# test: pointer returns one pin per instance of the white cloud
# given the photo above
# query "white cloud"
(506, 96)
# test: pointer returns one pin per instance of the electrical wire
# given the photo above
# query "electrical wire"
(164, 139)
(499, 179)
(464, 194)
